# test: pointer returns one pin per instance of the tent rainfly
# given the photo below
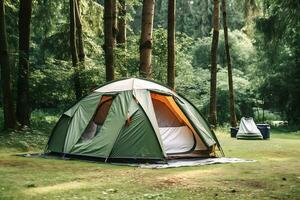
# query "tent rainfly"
(248, 130)
(133, 119)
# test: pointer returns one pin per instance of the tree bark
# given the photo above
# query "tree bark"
(233, 122)
(213, 79)
(81, 54)
(171, 43)
(121, 39)
(121, 36)
(146, 38)
(8, 106)
(23, 108)
(109, 38)
(114, 20)
(73, 48)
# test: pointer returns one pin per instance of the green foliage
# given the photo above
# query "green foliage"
(51, 71)
(51, 86)
(22, 145)
(36, 137)
(11, 11)
(127, 61)
(241, 49)
(265, 115)
(194, 17)
(278, 43)
(160, 52)
(263, 38)
(193, 80)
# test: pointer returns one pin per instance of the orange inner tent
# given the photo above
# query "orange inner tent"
(102, 110)
(176, 113)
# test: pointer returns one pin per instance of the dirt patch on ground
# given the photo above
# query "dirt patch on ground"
(172, 181)
(14, 163)
(255, 184)
(55, 188)
(185, 178)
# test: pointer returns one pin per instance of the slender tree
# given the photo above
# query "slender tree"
(114, 20)
(23, 105)
(121, 36)
(171, 43)
(109, 38)
(8, 108)
(146, 38)
(73, 47)
(213, 79)
(121, 39)
(229, 66)
(79, 34)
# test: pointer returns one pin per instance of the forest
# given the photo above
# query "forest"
(95, 94)
(54, 52)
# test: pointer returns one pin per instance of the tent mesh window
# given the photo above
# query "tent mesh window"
(98, 119)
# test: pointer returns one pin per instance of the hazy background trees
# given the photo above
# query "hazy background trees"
(263, 40)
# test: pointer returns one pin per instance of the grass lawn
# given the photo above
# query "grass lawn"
(275, 175)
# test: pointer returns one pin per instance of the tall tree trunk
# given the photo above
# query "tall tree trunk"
(121, 36)
(146, 38)
(80, 46)
(8, 108)
(81, 54)
(233, 122)
(109, 39)
(23, 108)
(114, 20)
(171, 43)
(213, 79)
(73, 47)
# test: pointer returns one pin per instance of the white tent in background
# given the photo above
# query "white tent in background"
(248, 130)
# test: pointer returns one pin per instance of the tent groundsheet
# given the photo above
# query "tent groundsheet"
(189, 162)
(171, 163)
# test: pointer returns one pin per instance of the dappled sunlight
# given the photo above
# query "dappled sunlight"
(277, 159)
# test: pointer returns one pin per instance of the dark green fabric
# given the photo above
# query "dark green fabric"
(133, 107)
(72, 110)
(102, 144)
(57, 138)
(82, 113)
(144, 99)
(138, 139)
(251, 136)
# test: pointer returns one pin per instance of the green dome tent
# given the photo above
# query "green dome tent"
(133, 119)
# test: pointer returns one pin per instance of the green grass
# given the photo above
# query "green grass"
(275, 175)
